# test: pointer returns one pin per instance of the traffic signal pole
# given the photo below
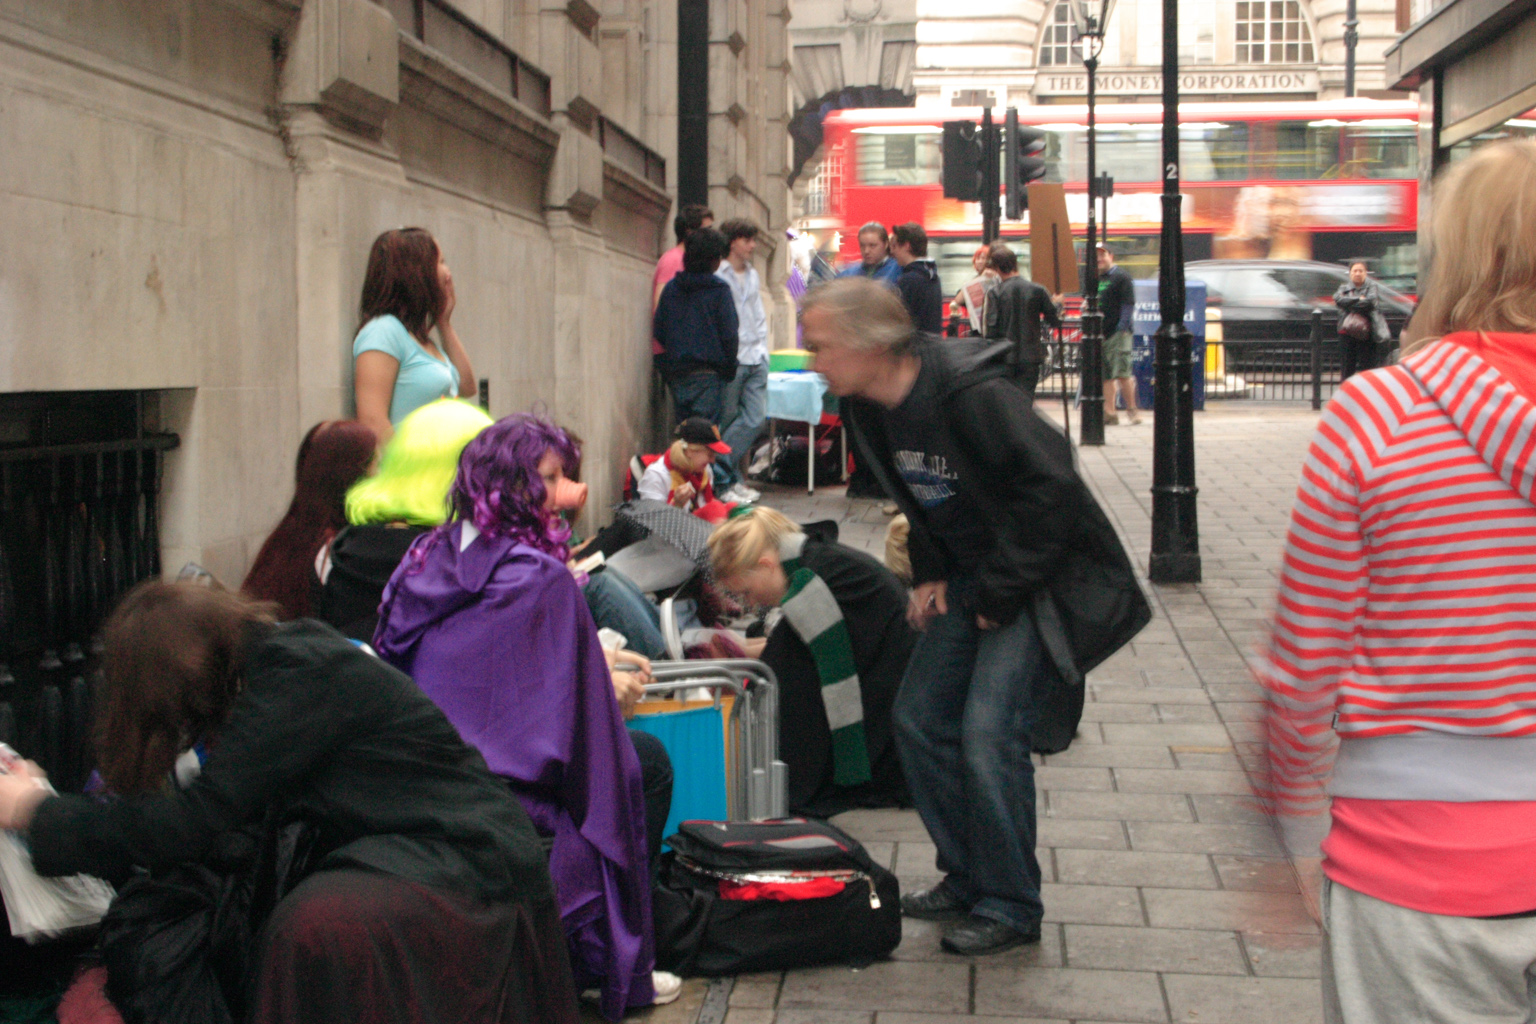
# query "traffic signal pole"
(1175, 529)
(1091, 359)
(991, 216)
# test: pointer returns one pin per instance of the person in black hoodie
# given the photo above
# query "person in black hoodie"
(695, 324)
(1021, 587)
(919, 279)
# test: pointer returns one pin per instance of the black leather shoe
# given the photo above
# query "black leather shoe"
(936, 904)
(979, 936)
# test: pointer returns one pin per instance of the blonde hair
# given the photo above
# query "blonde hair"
(868, 315)
(1482, 247)
(738, 543)
(897, 558)
(678, 450)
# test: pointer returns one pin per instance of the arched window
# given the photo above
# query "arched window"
(1272, 32)
(1057, 48)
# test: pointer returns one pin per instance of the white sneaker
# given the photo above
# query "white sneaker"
(741, 495)
(668, 987)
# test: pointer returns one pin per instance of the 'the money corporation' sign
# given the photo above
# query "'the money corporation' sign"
(1150, 82)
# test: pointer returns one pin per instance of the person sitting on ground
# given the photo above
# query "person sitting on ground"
(332, 457)
(485, 615)
(1015, 309)
(422, 852)
(389, 510)
(684, 476)
(918, 282)
(612, 597)
(897, 558)
(695, 324)
(839, 652)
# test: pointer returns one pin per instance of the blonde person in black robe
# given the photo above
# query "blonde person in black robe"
(839, 651)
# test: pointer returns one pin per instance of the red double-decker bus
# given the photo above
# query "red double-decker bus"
(1332, 180)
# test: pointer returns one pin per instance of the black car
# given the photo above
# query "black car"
(1272, 300)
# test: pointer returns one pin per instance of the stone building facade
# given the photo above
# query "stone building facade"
(1020, 52)
(1472, 67)
(193, 185)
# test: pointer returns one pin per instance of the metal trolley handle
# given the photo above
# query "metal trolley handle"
(759, 780)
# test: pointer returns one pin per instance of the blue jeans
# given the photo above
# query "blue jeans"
(963, 718)
(741, 418)
(698, 394)
(617, 603)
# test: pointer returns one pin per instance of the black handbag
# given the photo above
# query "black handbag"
(1355, 325)
(741, 897)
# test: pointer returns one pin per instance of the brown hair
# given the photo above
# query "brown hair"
(171, 668)
(334, 456)
(1482, 247)
(739, 227)
(1003, 259)
(912, 235)
(402, 280)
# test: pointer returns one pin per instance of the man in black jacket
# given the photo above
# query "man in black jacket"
(918, 282)
(1015, 309)
(1020, 586)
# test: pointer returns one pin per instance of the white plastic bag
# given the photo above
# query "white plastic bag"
(44, 908)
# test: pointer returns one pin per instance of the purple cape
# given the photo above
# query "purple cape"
(499, 636)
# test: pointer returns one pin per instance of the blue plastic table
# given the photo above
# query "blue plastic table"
(801, 397)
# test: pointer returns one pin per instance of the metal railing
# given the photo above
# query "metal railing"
(1257, 370)
(79, 525)
(1275, 370)
(631, 154)
(446, 29)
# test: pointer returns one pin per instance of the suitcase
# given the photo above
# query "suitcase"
(741, 897)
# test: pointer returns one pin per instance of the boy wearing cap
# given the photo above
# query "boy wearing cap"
(684, 476)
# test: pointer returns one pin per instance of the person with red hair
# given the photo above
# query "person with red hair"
(334, 455)
(971, 299)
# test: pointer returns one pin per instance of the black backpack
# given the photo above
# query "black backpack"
(726, 901)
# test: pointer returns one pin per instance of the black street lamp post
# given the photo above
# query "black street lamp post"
(1090, 17)
(1351, 40)
(1175, 530)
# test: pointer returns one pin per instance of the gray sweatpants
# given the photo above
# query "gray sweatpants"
(1385, 964)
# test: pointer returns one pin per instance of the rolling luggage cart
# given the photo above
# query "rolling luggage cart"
(753, 779)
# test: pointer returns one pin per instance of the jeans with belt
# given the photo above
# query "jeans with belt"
(963, 719)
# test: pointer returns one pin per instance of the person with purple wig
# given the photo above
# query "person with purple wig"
(485, 615)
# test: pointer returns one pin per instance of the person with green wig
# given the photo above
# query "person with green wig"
(386, 512)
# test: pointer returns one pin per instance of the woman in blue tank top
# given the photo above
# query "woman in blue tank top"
(398, 367)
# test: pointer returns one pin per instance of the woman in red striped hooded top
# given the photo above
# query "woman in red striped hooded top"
(1401, 667)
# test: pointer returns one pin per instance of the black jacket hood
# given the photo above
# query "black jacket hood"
(927, 269)
(964, 362)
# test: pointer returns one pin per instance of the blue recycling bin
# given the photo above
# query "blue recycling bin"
(1145, 321)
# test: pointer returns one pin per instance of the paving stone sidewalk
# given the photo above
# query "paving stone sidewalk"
(1168, 897)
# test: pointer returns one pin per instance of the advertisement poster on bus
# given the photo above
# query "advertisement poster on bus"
(1269, 220)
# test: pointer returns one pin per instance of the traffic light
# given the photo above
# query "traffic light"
(1023, 162)
(962, 161)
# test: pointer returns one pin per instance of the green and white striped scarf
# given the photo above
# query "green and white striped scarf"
(813, 614)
